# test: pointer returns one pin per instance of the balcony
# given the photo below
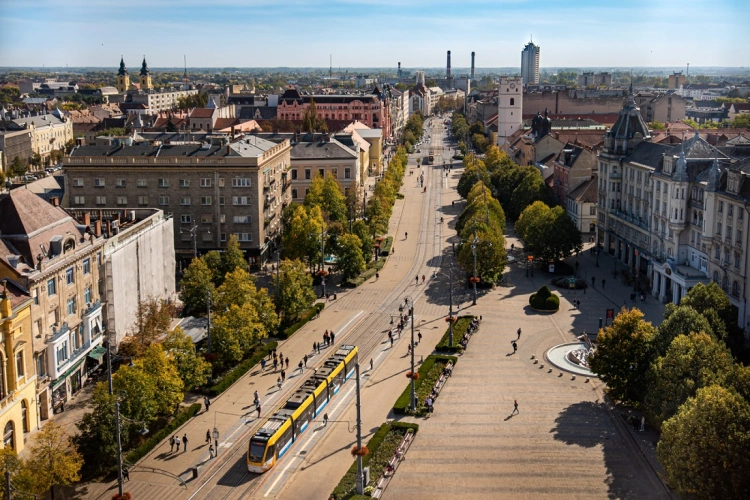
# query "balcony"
(268, 201)
(697, 204)
(287, 184)
(738, 244)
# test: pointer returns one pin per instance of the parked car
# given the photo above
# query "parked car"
(570, 282)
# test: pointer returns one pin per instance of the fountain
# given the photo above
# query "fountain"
(573, 357)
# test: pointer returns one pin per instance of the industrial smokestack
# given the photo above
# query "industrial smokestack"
(448, 69)
(472, 65)
(399, 69)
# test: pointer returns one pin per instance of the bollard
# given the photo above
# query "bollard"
(549, 371)
(573, 377)
(532, 356)
(560, 374)
(587, 380)
(536, 361)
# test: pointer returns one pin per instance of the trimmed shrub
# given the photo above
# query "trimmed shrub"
(302, 319)
(404, 400)
(544, 300)
(148, 445)
(459, 328)
(372, 268)
(386, 246)
(238, 371)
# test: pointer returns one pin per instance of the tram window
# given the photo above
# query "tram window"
(307, 413)
(270, 451)
(256, 450)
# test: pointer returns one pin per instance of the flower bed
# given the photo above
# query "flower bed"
(459, 328)
(373, 267)
(302, 319)
(425, 376)
(382, 446)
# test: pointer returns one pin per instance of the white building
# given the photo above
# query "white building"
(530, 63)
(509, 108)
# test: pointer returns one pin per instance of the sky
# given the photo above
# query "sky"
(374, 33)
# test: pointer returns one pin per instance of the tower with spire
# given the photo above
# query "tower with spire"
(123, 78)
(145, 76)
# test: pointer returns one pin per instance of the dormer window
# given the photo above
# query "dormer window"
(69, 245)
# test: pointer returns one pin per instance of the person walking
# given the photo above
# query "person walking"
(207, 402)
(211, 451)
(177, 442)
(593, 282)
(278, 382)
(603, 282)
(208, 436)
(257, 408)
(263, 364)
(184, 442)
(314, 345)
(423, 279)
(333, 338)
(515, 408)
(325, 337)
(283, 376)
(515, 346)
(419, 337)
(256, 397)
(391, 339)
(305, 358)
(325, 420)
(519, 334)
(370, 364)
(287, 363)
(275, 364)
(126, 474)
(417, 279)
(301, 367)
(171, 444)
(406, 236)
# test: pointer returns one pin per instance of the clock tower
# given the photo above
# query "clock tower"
(509, 108)
(123, 79)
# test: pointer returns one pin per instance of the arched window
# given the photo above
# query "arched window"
(9, 438)
(725, 284)
(25, 416)
(735, 289)
(695, 217)
(512, 101)
(69, 245)
(669, 252)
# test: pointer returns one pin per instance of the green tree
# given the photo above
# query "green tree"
(350, 259)
(36, 160)
(191, 367)
(232, 257)
(195, 287)
(136, 391)
(703, 448)
(296, 291)
(301, 236)
(491, 256)
(327, 194)
(96, 440)
(212, 259)
(363, 233)
(54, 460)
(18, 167)
(378, 216)
(10, 462)
(235, 332)
(623, 355)
(742, 121)
(311, 121)
(152, 321)
(692, 361)
(548, 233)
(711, 301)
(679, 320)
(166, 378)
(657, 126)
(238, 289)
(266, 310)
(528, 191)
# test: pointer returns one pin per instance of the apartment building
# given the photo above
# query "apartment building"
(366, 108)
(324, 157)
(212, 189)
(49, 132)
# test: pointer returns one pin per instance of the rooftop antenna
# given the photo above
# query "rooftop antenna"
(631, 80)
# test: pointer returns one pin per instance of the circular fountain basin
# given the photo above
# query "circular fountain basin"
(558, 357)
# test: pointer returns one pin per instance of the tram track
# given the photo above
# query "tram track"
(367, 333)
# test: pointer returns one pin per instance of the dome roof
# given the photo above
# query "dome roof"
(630, 122)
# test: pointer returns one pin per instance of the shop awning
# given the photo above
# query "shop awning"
(97, 353)
(67, 374)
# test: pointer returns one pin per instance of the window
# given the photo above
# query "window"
(205, 200)
(221, 182)
(240, 200)
(186, 218)
(205, 182)
(718, 228)
(99, 183)
(335, 173)
(322, 172)
(739, 235)
(79, 200)
(143, 200)
(87, 295)
(185, 201)
(71, 306)
(737, 260)
(62, 352)
(721, 206)
(294, 174)
(347, 173)
(87, 265)
(120, 183)
(142, 183)
(740, 214)
(244, 236)
(717, 253)
(122, 200)
(241, 182)
(101, 200)
(207, 219)
(163, 183)
(223, 236)
(729, 232)
(307, 174)
(242, 219)
(726, 256)
(735, 289)
(35, 295)
(294, 193)
(20, 372)
(512, 101)
(78, 183)
(51, 287)
(69, 276)
(184, 183)
(163, 201)
(730, 210)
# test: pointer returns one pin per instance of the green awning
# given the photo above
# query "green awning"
(97, 353)
(67, 374)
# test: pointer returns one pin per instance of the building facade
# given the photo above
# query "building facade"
(509, 108)
(366, 108)
(591, 79)
(49, 132)
(530, 63)
(325, 157)
(18, 411)
(211, 189)
(15, 142)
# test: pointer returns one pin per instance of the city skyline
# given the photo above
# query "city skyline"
(84, 33)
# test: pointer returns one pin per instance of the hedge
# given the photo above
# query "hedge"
(302, 319)
(238, 371)
(404, 400)
(544, 300)
(387, 246)
(459, 328)
(347, 486)
(372, 268)
(148, 445)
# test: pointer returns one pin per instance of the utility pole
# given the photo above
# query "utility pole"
(410, 302)
(278, 264)
(7, 484)
(208, 327)
(360, 472)
(323, 260)
(474, 250)
(450, 308)
(119, 448)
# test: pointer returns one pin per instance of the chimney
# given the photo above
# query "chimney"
(448, 68)
(109, 228)
(87, 219)
(399, 70)
(472, 65)
(55, 201)
(98, 227)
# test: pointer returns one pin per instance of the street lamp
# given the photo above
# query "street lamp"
(409, 302)
(475, 278)
(143, 432)
(194, 234)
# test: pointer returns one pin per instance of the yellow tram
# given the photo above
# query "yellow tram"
(284, 427)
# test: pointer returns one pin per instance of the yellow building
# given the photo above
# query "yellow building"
(17, 378)
(146, 76)
(123, 78)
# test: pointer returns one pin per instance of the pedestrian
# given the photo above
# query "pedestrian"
(603, 282)
(579, 303)
(305, 358)
(184, 442)
(370, 364)
(325, 337)
(390, 335)
(126, 474)
(408, 349)
(318, 347)
(593, 282)
(211, 450)
(419, 337)
(171, 444)
(519, 334)
(208, 436)
(325, 420)
(515, 346)
(377, 275)
(263, 364)
(257, 408)
(333, 338)
(283, 375)
(287, 362)
(406, 236)
(278, 382)
(515, 408)
(391, 339)
(275, 364)
(207, 402)
(313, 348)
(417, 279)
(256, 397)
(177, 443)
(301, 368)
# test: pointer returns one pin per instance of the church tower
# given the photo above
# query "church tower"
(145, 76)
(123, 79)
(509, 108)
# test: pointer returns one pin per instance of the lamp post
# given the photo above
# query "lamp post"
(360, 472)
(474, 251)
(208, 326)
(143, 432)
(450, 307)
(194, 234)
(410, 304)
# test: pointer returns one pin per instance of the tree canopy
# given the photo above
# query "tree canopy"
(548, 233)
